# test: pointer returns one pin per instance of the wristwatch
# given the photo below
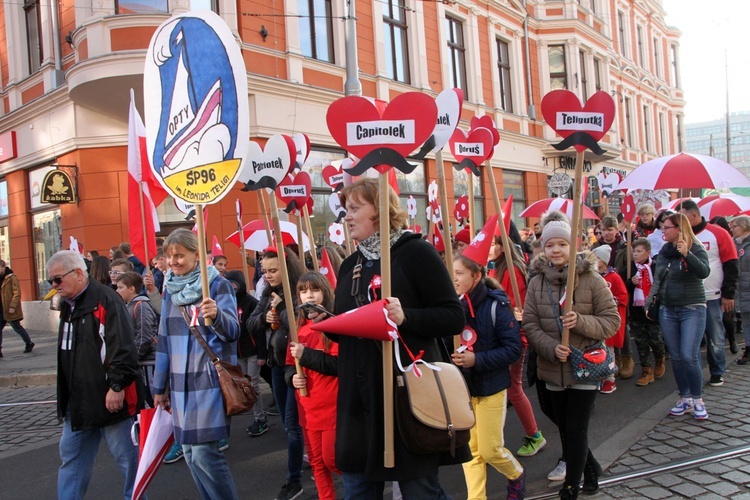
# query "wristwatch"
(116, 387)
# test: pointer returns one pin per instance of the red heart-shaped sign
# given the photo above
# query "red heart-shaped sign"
(627, 207)
(295, 188)
(267, 167)
(333, 176)
(563, 112)
(477, 146)
(406, 123)
(485, 121)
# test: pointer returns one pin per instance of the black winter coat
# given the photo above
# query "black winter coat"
(275, 352)
(421, 282)
(248, 343)
(97, 307)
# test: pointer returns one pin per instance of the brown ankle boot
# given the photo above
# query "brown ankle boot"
(618, 362)
(646, 378)
(626, 368)
(660, 367)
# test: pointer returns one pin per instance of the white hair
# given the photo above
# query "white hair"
(69, 260)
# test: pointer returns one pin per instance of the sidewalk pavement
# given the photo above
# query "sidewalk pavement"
(37, 368)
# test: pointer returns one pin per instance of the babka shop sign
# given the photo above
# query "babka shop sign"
(196, 107)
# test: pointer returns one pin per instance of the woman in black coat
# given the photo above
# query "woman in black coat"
(425, 308)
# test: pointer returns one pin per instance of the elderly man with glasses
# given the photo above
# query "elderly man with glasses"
(98, 382)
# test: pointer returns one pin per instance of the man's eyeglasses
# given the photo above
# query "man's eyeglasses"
(58, 279)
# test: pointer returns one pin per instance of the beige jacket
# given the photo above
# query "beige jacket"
(597, 314)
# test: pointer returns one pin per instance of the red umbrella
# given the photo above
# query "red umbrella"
(257, 239)
(686, 171)
(564, 205)
(724, 205)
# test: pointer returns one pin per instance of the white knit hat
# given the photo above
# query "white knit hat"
(603, 253)
(555, 225)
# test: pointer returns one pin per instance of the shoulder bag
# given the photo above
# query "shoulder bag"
(652, 313)
(236, 387)
(591, 364)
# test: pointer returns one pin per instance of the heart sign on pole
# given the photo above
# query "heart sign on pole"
(471, 150)
(579, 126)
(302, 148)
(608, 182)
(485, 121)
(449, 103)
(333, 176)
(196, 107)
(382, 139)
(267, 167)
(628, 208)
(295, 190)
(334, 201)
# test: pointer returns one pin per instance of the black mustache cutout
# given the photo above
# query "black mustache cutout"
(381, 156)
(428, 146)
(264, 182)
(467, 163)
(579, 138)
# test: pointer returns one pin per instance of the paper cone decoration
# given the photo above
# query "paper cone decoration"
(369, 322)
(326, 269)
(216, 248)
(436, 238)
(507, 214)
(479, 249)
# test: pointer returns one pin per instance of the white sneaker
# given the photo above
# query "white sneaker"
(558, 473)
(699, 409)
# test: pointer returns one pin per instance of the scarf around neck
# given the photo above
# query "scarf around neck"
(646, 280)
(186, 289)
(370, 246)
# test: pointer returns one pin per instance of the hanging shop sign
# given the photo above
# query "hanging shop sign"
(8, 149)
(559, 183)
(58, 188)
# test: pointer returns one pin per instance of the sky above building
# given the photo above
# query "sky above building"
(709, 30)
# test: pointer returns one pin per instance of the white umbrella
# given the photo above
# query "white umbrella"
(153, 448)
(686, 171)
(256, 237)
(724, 205)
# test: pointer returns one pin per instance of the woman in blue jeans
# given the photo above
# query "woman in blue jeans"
(678, 280)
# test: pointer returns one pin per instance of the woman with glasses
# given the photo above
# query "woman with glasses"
(678, 283)
(655, 238)
(740, 228)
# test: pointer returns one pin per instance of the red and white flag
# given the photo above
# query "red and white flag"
(205, 220)
(142, 239)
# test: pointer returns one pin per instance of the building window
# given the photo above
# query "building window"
(558, 78)
(396, 47)
(415, 184)
(597, 74)
(675, 74)
(639, 35)
(212, 5)
(316, 29)
(662, 136)
(513, 185)
(47, 227)
(322, 215)
(33, 34)
(628, 122)
(657, 57)
(584, 80)
(457, 51)
(503, 69)
(159, 6)
(647, 128)
(621, 30)
(461, 187)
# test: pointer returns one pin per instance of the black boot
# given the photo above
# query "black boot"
(569, 492)
(744, 360)
(733, 344)
(591, 472)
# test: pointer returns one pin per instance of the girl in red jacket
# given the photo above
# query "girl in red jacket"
(533, 441)
(620, 293)
(318, 357)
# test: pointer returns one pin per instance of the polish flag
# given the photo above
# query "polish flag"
(142, 239)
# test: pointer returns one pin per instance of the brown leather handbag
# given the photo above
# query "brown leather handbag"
(434, 411)
(236, 387)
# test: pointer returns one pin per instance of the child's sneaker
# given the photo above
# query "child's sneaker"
(175, 454)
(699, 410)
(531, 445)
(223, 444)
(683, 406)
(257, 428)
(608, 387)
(517, 487)
(558, 473)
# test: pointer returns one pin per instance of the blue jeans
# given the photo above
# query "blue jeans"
(715, 355)
(287, 403)
(682, 329)
(17, 327)
(358, 487)
(78, 452)
(210, 470)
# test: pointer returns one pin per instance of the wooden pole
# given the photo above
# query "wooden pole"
(385, 276)
(347, 240)
(265, 216)
(445, 212)
(472, 224)
(300, 245)
(504, 235)
(313, 250)
(570, 287)
(288, 292)
(202, 257)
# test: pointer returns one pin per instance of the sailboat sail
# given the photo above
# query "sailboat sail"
(181, 113)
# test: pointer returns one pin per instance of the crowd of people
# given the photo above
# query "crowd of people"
(668, 281)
